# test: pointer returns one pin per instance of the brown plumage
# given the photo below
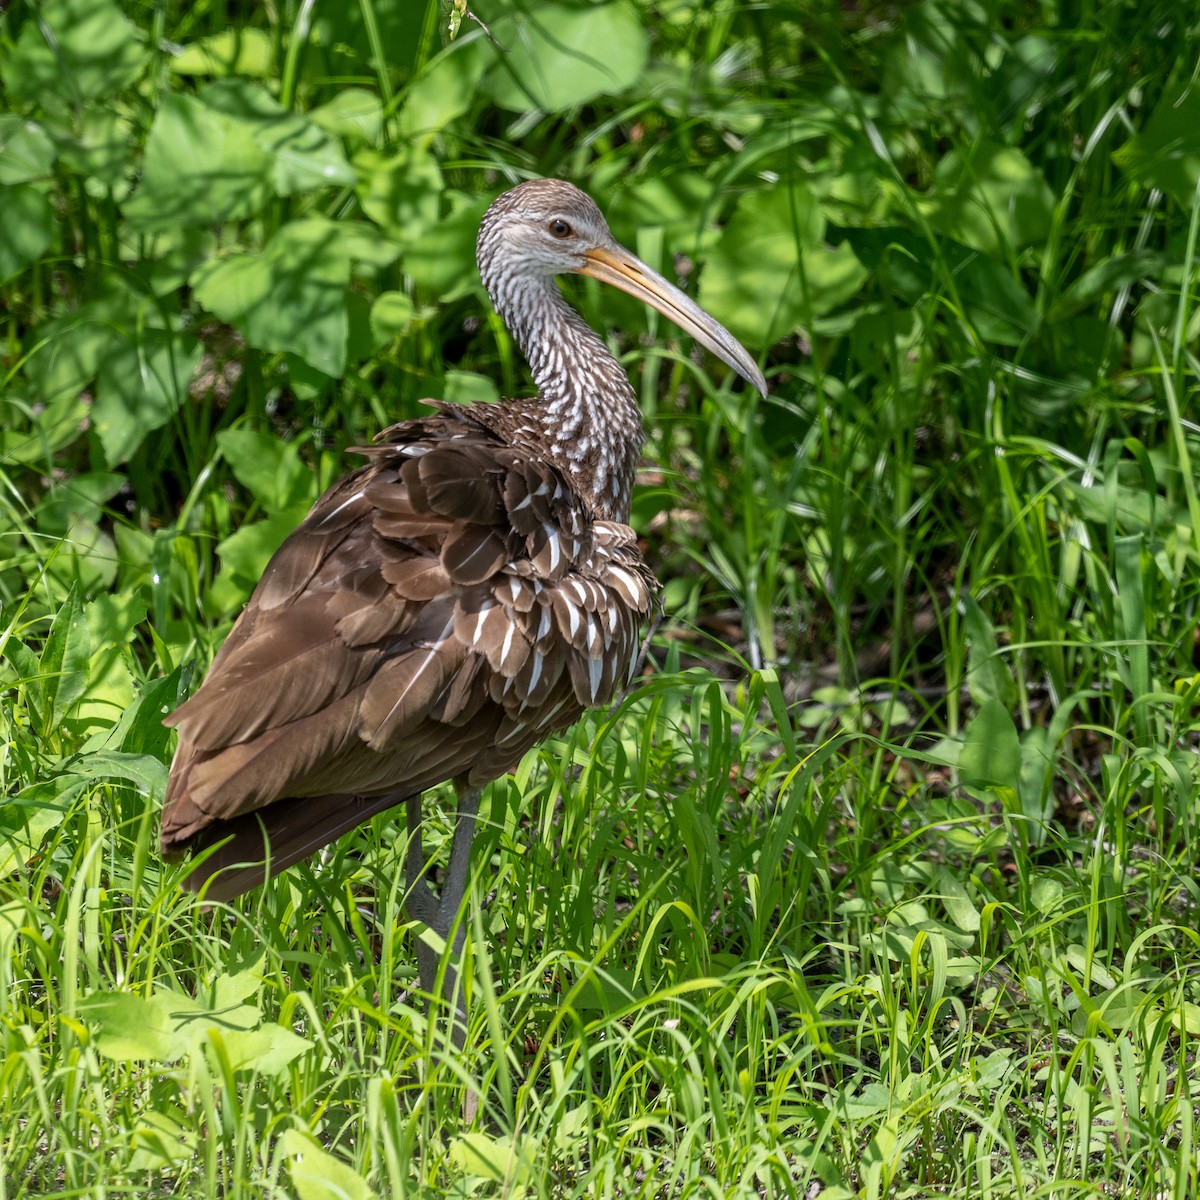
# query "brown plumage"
(470, 590)
(439, 612)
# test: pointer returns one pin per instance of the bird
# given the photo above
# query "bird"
(471, 589)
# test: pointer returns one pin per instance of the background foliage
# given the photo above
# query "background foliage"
(885, 879)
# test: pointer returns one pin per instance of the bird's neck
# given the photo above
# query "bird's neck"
(585, 414)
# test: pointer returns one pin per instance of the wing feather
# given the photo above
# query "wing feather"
(439, 611)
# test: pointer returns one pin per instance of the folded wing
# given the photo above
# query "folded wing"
(439, 612)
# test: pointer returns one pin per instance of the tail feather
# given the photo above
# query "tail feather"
(258, 845)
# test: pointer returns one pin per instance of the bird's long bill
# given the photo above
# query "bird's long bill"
(615, 265)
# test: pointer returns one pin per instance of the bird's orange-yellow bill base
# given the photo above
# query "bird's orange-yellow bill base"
(615, 265)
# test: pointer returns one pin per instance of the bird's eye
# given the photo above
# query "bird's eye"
(560, 228)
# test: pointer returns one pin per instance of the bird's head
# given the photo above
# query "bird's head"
(548, 227)
(543, 228)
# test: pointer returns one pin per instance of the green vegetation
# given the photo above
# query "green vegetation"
(884, 880)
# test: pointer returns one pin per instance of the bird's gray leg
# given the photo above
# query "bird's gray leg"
(420, 902)
(458, 872)
(439, 912)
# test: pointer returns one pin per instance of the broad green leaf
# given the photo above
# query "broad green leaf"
(24, 826)
(991, 753)
(1046, 895)
(772, 271)
(89, 557)
(359, 343)
(607, 991)
(237, 51)
(1037, 773)
(674, 201)
(1029, 64)
(960, 908)
(1107, 276)
(882, 1155)
(1186, 1018)
(444, 91)
(917, 76)
(989, 1072)
(72, 512)
(992, 199)
(100, 147)
(63, 666)
(113, 618)
(76, 50)
(225, 152)
(81, 496)
(21, 659)
(176, 254)
(1166, 153)
(1132, 569)
(26, 153)
(168, 1024)
(898, 258)
(993, 300)
(560, 56)
(469, 387)
(158, 1141)
(267, 1050)
(197, 1020)
(400, 28)
(317, 1175)
(487, 1157)
(401, 192)
(442, 261)
(307, 382)
(140, 729)
(988, 675)
(146, 773)
(270, 469)
(201, 167)
(303, 155)
(886, 340)
(574, 1123)
(290, 297)
(1130, 509)
(142, 382)
(29, 226)
(362, 242)
(235, 988)
(109, 690)
(133, 1028)
(354, 114)
(390, 315)
(869, 1101)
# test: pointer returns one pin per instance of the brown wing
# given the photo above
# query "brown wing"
(438, 612)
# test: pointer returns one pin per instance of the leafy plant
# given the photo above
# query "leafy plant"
(882, 879)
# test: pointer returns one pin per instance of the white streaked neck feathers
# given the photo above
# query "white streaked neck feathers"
(586, 416)
(592, 423)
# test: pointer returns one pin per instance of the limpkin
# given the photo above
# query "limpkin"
(470, 590)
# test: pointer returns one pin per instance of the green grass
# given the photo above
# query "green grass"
(882, 881)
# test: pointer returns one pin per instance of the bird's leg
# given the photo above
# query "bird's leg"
(439, 912)
(458, 872)
(420, 901)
